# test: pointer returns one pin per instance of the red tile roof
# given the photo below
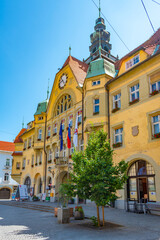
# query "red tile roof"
(17, 153)
(18, 138)
(78, 68)
(7, 146)
(148, 46)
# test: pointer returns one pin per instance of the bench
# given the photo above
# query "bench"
(148, 207)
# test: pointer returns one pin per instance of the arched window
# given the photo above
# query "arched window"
(28, 184)
(141, 182)
(6, 177)
(64, 103)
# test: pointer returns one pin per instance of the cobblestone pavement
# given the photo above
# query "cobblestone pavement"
(19, 224)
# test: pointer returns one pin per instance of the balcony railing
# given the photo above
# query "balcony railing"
(61, 161)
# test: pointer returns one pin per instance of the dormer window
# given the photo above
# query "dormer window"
(132, 62)
(40, 118)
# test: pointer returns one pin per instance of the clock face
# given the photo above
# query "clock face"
(63, 80)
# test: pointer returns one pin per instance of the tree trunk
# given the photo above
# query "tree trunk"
(103, 214)
(98, 216)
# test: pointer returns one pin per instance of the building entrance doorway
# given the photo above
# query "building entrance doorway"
(143, 189)
(141, 182)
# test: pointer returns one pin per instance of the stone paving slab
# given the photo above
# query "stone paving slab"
(20, 223)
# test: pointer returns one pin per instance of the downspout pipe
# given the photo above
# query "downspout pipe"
(82, 116)
(108, 113)
(45, 153)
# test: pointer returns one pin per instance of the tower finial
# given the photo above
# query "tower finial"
(99, 8)
(69, 50)
(100, 48)
(48, 89)
(23, 123)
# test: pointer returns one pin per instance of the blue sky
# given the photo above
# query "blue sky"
(34, 39)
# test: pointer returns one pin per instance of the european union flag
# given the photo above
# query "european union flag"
(61, 137)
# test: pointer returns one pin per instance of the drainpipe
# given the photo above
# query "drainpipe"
(45, 158)
(108, 113)
(82, 116)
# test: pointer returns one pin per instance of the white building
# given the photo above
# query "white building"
(7, 184)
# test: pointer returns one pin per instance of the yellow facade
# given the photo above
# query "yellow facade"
(91, 97)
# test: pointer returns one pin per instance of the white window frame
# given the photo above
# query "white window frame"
(134, 92)
(56, 152)
(25, 144)
(81, 145)
(157, 83)
(55, 128)
(24, 163)
(155, 123)
(8, 161)
(72, 148)
(40, 118)
(29, 142)
(40, 157)
(63, 125)
(64, 151)
(80, 116)
(97, 82)
(33, 159)
(95, 104)
(116, 101)
(49, 131)
(17, 165)
(49, 155)
(118, 134)
(132, 62)
(6, 177)
(40, 133)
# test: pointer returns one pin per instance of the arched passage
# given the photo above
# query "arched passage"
(27, 182)
(5, 193)
(141, 181)
(61, 178)
(38, 183)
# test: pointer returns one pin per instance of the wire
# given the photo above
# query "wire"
(111, 26)
(148, 15)
(156, 2)
(8, 132)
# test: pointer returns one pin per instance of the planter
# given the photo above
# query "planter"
(134, 101)
(157, 135)
(78, 215)
(63, 215)
(154, 93)
(115, 110)
(71, 212)
(116, 145)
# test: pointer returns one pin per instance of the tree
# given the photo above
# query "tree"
(95, 176)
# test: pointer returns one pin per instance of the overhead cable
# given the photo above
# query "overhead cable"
(156, 2)
(148, 15)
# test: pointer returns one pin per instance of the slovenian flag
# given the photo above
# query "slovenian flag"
(69, 137)
(61, 137)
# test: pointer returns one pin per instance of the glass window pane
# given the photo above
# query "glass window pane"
(133, 96)
(153, 87)
(132, 170)
(142, 168)
(96, 108)
(96, 101)
(155, 119)
(117, 139)
(156, 128)
(159, 86)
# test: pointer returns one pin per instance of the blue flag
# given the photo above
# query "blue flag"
(61, 137)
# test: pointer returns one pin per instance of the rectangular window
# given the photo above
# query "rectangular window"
(29, 143)
(118, 137)
(156, 126)
(8, 162)
(32, 160)
(64, 150)
(24, 163)
(80, 117)
(6, 177)
(56, 152)
(134, 93)
(96, 106)
(40, 134)
(55, 129)
(81, 146)
(63, 125)
(40, 118)
(18, 165)
(25, 145)
(71, 120)
(72, 148)
(94, 83)
(155, 88)
(132, 62)
(40, 158)
(50, 155)
(117, 101)
(49, 131)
